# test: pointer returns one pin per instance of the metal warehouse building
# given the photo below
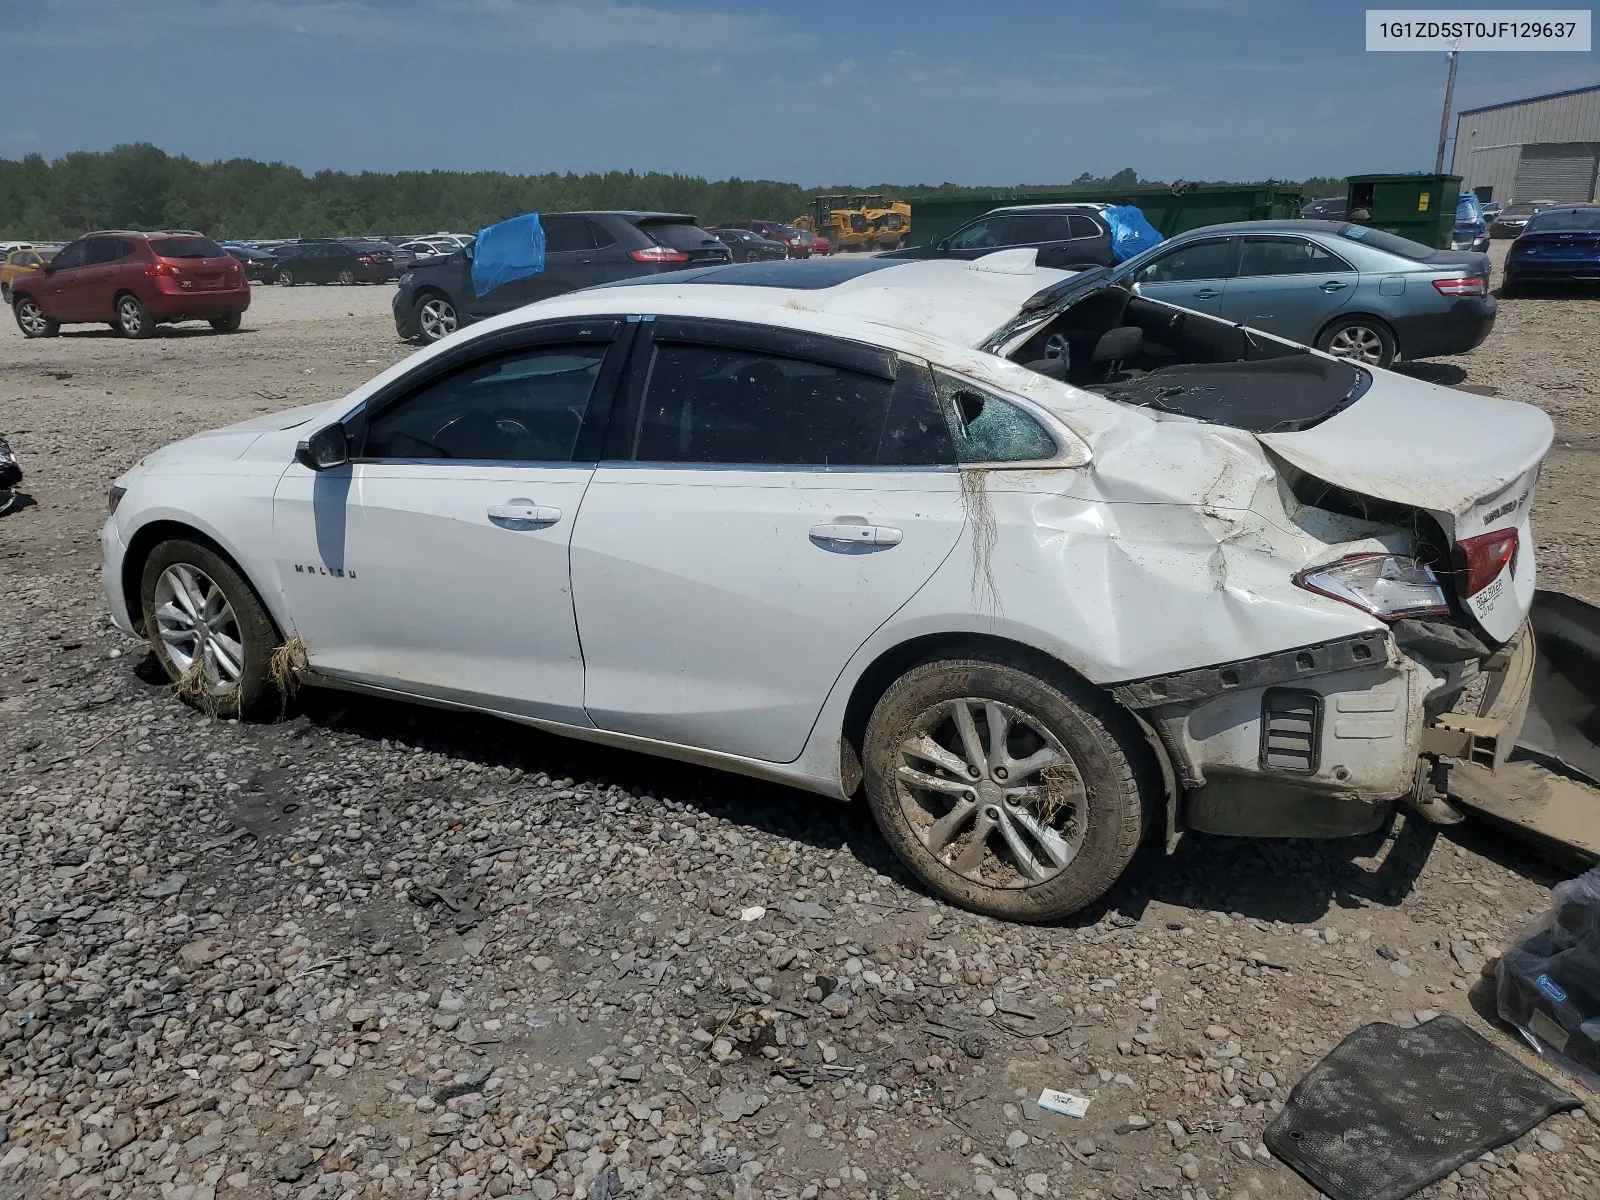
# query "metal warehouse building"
(1542, 148)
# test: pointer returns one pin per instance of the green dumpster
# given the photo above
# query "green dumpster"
(1170, 209)
(1419, 207)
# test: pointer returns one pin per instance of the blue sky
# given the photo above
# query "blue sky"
(826, 91)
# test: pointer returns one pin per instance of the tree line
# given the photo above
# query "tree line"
(143, 187)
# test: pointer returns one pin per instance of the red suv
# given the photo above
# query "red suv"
(133, 282)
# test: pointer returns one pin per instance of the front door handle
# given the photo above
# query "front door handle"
(1208, 293)
(1334, 285)
(526, 513)
(856, 535)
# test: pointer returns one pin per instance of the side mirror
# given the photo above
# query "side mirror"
(49, 268)
(324, 449)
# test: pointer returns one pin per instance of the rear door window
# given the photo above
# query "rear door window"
(721, 405)
(565, 234)
(599, 236)
(1286, 256)
(1033, 228)
(104, 250)
(1084, 226)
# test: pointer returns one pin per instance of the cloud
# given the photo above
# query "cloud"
(845, 72)
(520, 26)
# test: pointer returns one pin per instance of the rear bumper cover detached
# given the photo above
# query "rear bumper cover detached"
(1318, 741)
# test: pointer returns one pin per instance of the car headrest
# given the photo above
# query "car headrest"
(1118, 344)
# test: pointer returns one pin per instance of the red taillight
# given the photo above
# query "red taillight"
(1465, 285)
(658, 254)
(369, 259)
(1486, 556)
(159, 268)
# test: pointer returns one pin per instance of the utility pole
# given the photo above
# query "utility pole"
(1444, 117)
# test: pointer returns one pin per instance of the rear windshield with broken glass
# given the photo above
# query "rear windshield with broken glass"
(186, 247)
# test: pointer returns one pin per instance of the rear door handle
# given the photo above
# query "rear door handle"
(1333, 285)
(857, 535)
(526, 513)
(1207, 294)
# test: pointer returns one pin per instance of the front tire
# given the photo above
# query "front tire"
(1365, 340)
(346, 275)
(133, 319)
(1006, 792)
(208, 629)
(436, 318)
(285, 277)
(32, 321)
(227, 323)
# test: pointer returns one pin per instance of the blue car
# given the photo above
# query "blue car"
(1471, 230)
(1559, 245)
(1347, 289)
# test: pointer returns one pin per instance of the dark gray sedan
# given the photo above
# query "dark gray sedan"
(1350, 290)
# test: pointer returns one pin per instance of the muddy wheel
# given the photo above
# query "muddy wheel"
(133, 319)
(1007, 792)
(32, 321)
(1361, 339)
(209, 630)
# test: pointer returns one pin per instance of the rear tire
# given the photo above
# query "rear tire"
(993, 833)
(133, 319)
(1361, 339)
(227, 323)
(346, 275)
(197, 607)
(31, 319)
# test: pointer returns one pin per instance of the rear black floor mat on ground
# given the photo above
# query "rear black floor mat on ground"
(1391, 1110)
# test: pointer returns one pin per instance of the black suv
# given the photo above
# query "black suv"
(581, 249)
(1067, 236)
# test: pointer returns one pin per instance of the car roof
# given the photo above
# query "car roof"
(1287, 225)
(143, 233)
(1060, 206)
(626, 214)
(907, 302)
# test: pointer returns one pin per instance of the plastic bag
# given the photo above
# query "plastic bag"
(1548, 983)
(507, 252)
(1130, 233)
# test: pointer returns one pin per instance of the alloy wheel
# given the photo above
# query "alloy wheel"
(347, 276)
(31, 317)
(195, 621)
(1358, 342)
(129, 316)
(992, 793)
(437, 318)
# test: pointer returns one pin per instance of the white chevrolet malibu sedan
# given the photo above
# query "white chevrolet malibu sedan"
(1035, 563)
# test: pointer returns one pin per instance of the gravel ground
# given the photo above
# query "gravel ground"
(375, 950)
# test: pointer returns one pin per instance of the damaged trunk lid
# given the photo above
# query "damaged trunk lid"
(1471, 462)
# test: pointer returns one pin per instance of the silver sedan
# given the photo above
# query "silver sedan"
(1348, 289)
